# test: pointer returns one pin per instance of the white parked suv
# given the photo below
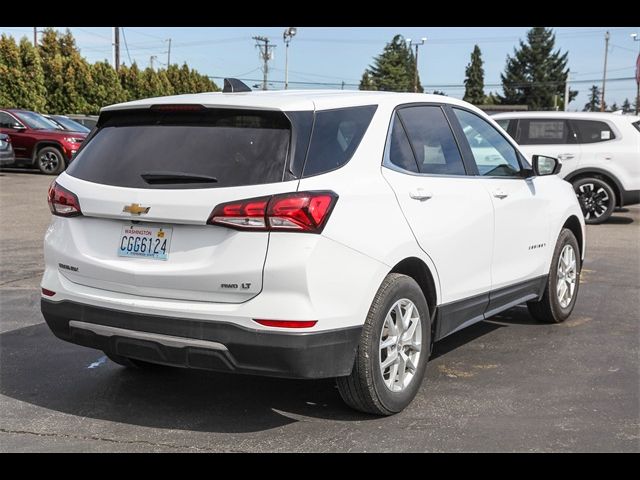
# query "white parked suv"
(600, 154)
(303, 234)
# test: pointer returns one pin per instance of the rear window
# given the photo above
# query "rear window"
(336, 136)
(637, 125)
(592, 131)
(544, 132)
(236, 147)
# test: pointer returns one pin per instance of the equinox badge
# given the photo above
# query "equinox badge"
(135, 209)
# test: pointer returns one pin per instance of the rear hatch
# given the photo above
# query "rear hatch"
(152, 178)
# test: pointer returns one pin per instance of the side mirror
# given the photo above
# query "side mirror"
(17, 126)
(543, 165)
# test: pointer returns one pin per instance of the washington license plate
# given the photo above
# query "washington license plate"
(145, 242)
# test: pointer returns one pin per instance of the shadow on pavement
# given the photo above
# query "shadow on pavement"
(619, 220)
(38, 368)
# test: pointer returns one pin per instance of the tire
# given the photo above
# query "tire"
(50, 161)
(130, 362)
(550, 309)
(366, 389)
(597, 199)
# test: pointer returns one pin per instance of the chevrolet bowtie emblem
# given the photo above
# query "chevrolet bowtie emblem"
(135, 209)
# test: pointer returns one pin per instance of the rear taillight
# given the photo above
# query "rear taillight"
(298, 211)
(62, 202)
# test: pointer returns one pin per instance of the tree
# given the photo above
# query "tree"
(439, 92)
(131, 82)
(614, 107)
(626, 106)
(22, 84)
(474, 79)
(536, 73)
(593, 105)
(107, 88)
(392, 70)
(151, 85)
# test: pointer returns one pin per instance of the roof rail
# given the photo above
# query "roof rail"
(233, 85)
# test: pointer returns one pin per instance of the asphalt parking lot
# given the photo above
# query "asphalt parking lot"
(508, 384)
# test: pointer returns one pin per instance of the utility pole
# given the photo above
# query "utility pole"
(169, 53)
(116, 48)
(566, 92)
(342, 86)
(288, 34)
(265, 55)
(636, 39)
(151, 59)
(35, 36)
(604, 74)
(415, 70)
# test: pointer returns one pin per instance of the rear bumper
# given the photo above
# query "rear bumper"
(630, 197)
(206, 345)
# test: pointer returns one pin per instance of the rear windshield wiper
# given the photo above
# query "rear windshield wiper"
(176, 177)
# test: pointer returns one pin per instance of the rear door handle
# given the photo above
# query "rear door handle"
(500, 194)
(566, 156)
(420, 194)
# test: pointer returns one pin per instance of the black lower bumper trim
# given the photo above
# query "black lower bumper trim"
(630, 197)
(291, 355)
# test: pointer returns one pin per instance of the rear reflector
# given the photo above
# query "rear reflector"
(297, 211)
(62, 202)
(287, 323)
(48, 293)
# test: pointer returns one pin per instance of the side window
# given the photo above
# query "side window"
(504, 123)
(6, 121)
(336, 135)
(544, 131)
(432, 141)
(493, 154)
(592, 131)
(400, 153)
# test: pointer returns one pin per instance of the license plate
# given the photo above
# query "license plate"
(145, 242)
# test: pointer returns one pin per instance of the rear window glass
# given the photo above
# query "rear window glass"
(544, 132)
(592, 131)
(236, 147)
(637, 125)
(336, 136)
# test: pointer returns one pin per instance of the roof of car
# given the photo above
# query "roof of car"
(288, 100)
(578, 115)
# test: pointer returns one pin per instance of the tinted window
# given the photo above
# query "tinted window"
(37, 121)
(432, 141)
(236, 147)
(6, 120)
(336, 136)
(504, 123)
(493, 154)
(69, 124)
(544, 132)
(400, 153)
(637, 125)
(592, 131)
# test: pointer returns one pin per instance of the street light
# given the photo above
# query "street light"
(288, 34)
(636, 39)
(415, 72)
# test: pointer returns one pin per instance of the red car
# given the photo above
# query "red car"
(38, 141)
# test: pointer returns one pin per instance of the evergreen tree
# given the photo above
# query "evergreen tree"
(151, 85)
(439, 92)
(614, 107)
(107, 89)
(35, 92)
(11, 84)
(392, 70)
(626, 106)
(491, 99)
(474, 79)
(593, 105)
(536, 72)
(131, 82)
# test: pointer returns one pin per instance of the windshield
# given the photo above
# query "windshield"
(70, 125)
(236, 147)
(36, 121)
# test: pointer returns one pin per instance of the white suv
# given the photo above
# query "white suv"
(303, 234)
(600, 154)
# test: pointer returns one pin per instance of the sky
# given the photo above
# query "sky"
(341, 54)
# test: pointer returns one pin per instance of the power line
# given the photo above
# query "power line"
(126, 47)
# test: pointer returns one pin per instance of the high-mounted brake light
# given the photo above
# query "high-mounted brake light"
(286, 323)
(297, 211)
(62, 202)
(178, 107)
